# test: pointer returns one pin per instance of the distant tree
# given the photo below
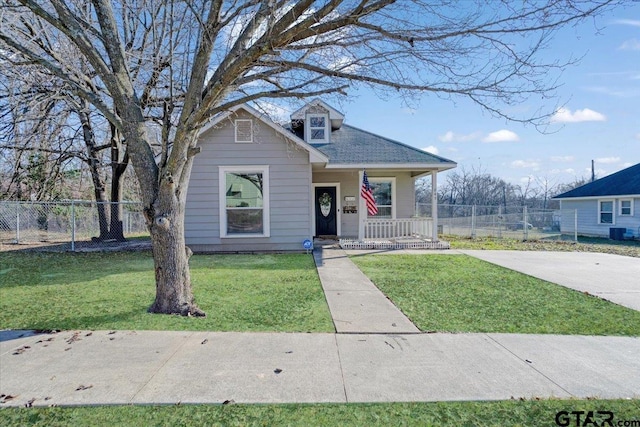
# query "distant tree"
(178, 63)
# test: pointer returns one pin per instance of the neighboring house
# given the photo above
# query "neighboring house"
(606, 203)
(258, 186)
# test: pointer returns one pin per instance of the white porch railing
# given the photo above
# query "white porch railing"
(387, 228)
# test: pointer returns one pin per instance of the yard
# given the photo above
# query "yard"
(40, 290)
(282, 293)
(43, 290)
(458, 293)
(499, 414)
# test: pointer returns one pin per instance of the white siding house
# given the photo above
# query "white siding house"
(612, 202)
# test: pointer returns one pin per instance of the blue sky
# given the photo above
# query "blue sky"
(600, 119)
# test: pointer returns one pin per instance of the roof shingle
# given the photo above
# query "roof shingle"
(622, 183)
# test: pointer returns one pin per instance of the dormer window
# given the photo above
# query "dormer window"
(317, 128)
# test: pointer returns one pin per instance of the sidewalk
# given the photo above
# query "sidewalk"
(378, 355)
(149, 367)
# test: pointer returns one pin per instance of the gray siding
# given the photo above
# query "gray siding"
(587, 211)
(289, 184)
(350, 186)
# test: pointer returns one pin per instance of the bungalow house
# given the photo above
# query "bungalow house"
(259, 186)
(606, 207)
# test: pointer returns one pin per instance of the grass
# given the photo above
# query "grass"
(41, 290)
(584, 244)
(504, 413)
(458, 293)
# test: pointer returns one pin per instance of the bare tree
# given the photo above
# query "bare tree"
(178, 63)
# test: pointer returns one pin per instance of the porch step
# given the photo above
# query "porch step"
(393, 244)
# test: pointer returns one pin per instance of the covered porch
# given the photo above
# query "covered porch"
(402, 233)
(396, 225)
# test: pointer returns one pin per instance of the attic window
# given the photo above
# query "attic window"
(317, 128)
(244, 130)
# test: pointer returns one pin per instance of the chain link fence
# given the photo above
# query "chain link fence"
(516, 222)
(76, 223)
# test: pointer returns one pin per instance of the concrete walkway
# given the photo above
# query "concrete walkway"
(391, 362)
(356, 304)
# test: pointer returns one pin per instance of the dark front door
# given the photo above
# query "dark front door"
(326, 212)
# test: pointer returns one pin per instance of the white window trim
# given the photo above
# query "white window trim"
(392, 180)
(307, 128)
(222, 185)
(235, 127)
(613, 213)
(620, 207)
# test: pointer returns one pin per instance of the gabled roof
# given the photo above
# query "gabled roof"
(353, 147)
(315, 156)
(622, 183)
(335, 116)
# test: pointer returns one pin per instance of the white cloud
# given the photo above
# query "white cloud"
(632, 22)
(608, 160)
(431, 149)
(638, 136)
(564, 115)
(502, 135)
(450, 136)
(525, 164)
(562, 159)
(631, 44)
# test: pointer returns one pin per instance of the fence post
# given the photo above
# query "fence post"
(500, 221)
(575, 225)
(525, 224)
(73, 226)
(473, 221)
(17, 223)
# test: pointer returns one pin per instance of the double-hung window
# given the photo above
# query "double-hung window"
(384, 192)
(605, 211)
(626, 207)
(244, 201)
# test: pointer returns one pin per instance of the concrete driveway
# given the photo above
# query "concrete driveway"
(612, 277)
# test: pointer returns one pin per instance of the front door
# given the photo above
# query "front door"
(326, 213)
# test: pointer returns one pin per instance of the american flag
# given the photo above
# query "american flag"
(367, 195)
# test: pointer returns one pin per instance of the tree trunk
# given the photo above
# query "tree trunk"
(171, 260)
(118, 168)
(94, 168)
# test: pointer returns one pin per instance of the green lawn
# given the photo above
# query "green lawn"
(458, 293)
(584, 244)
(477, 414)
(40, 290)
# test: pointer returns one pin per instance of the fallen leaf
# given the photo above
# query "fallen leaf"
(83, 387)
(29, 404)
(75, 337)
(227, 402)
(204, 341)
(21, 350)
(277, 370)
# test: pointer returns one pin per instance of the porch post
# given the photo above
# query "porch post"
(361, 209)
(434, 204)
